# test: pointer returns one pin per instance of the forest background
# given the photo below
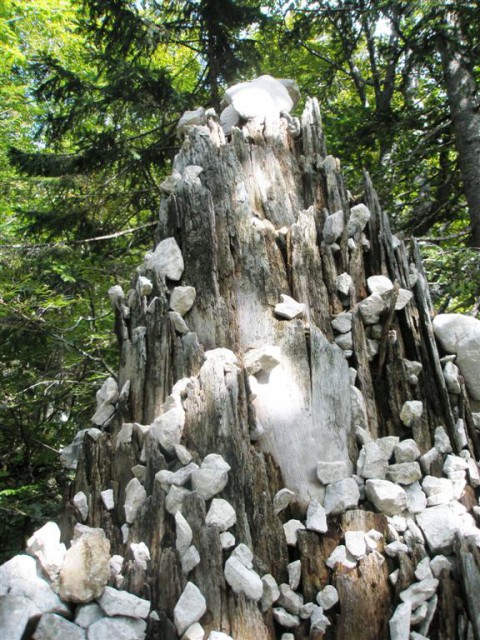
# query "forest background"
(90, 95)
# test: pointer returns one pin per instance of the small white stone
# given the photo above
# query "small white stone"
(387, 445)
(167, 429)
(327, 597)
(395, 547)
(190, 559)
(294, 574)
(52, 626)
(316, 517)
(403, 298)
(372, 462)
(422, 570)
(341, 496)
(339, 555)
(343, 324)
(182, 299)
(437, 490)
(88, 614)
(451, 374)
(442, 441)
(244, 554)
(135, 496)
(404, 473)
(117, 627)
(359, 216)
(194, 632)
(379, 284)
(178, 322)
(122, 603)
(418, 592)
(144, 286)
(183, 454)
(263, 359)
(473, 473)
(166, 260)
(80, 501)
(218, 635)
(318, 620)
(328, 472)
(221, 514)
(271, 592)
(282, 499)
(399, 623)
(455, 467)
(285, 619)
(227, 540)
(439, 525)
(290, 600)
(291, 529)
(184, 533)
(412, 411)
(243, 580)
(343, 283)
(393, 577)
(371, 308)
(460, 434)
(139, 471)
(174, 499)
(190, 608)
(440, 563)
(333, 227)
(386, 496)
(107, 499)
(344, 341)
(289, 308)
(355, 544)
(406, 451)
(190, 119)
(141, 554)
(45, 545)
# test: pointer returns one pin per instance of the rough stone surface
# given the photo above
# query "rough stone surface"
(122, 603)
(86, 568)
(53, 627)
(282, 499)
(400, 622)
(341, 496)
(404, 472)
(355, 544)
(439, 525)
(359, 216)
(343, 283)
(45, 545)
(88, 614)
(167, 428)
(190, 559)
(333, 227)
(118, 628)
(289, 308)
(263, 359)
(80, 502)
(135, 496)
(343, 323)
(194, 632)
(190, 608)
(411, 411)
(386, 496)
(371, 308)
(437, 490)
(284, 618)
(406, 451)
(294, 574)
(166, 260)
(340, 556)
(184, 533)
(316, 517)
(416, 498)
(221, 514)
(212, 477)
(442, 441)
(418, 592)
(178, 322)
(372, 462)
(328, 472)
(242, 579)
(261, 97)
(182, 299)
(271, 592)
(327, 597)
(107, 499)
(15, 612)
(379, 284)
(291, 528)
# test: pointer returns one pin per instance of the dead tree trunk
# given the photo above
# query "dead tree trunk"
(287, 403)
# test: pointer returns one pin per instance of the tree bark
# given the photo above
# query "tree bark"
(250, 227)
(464, 110)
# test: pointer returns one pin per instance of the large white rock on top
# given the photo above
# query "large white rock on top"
(190, 608)
(264, 96)
(166, 260)
(460, 334)
(86, 568)
(386, 496)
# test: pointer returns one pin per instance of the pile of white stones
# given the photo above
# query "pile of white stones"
(64, 593)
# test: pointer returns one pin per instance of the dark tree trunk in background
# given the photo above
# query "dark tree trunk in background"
(465, 113)
(250, 227)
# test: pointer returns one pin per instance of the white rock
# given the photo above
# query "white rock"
(343, 283)
(15, 612)
(218, 635)
(190, 559)
(418, 592)
(88, 614)
(282, 499)
(393, 577)
(473, 473)
(244, 554)
(343, 324)
(174, 499)
(294, 574)
(429, 460)
(422, 570)
(86, 568)
(404, 472)
(403, 298)
(455, 467)
(285, 619)
(316, 517)
(318, 620)
(229, 118)
(460, 334)
(45, 545)
(328, 472)
(178, 322)
(290, 600)
(439, 525)
(183, 454)
(135, 496)
(379, 284)
(189, 609)
(406, 451)
(263, 359)
(166, 260)
(387, 445)
(190, 119)
(125, 529)
(372, 462)
(141, 554)
(221, 514)
(271, 592)
(355, 544)
(207, 482)
(359, 415)
(122, 603)
(386, 496)
(333, 227)
(120, 628)
(52, 626)
(107, 499)
(460, 434)
(291, 529)
(242, 579)
(262, 97)
(437, 490)
(108, 392)
(184, 533)
(371, 308)
(182, 299)
(451, 374)
(80, 502)
(359, 216)
(341, 496)
(440, 563)
(339, 556)
(399, 623)
(179, 478)
(288, 636)
(144, 286)
(167, 429)
(412, 411)
(139, 471)
(327, 597)
(394, 548)
(227, 540)
(194, 632)
(289, 308)
(306, 610)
